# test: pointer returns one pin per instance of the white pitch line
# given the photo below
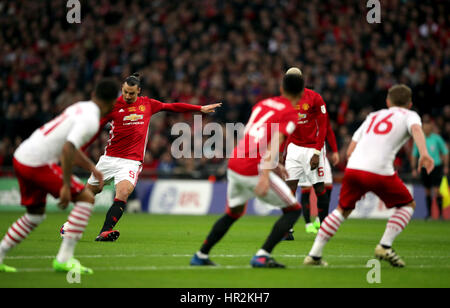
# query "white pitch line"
(212, 256)
(227, 267)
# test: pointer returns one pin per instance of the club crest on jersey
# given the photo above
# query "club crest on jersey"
(133, 117)
(305, 107)
(142, 108)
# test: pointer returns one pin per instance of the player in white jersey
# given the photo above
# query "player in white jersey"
(35, 165)
(370, 168)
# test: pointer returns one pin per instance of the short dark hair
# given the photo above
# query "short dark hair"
(133, 80)
(293, 84)
(400, 95)
(107, 90)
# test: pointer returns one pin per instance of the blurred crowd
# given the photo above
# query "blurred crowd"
(230, 51)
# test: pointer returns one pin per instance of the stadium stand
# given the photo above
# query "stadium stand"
(213, 50)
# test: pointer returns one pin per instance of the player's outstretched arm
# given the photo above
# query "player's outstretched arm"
(425, 161)
(183, 107)
(210, 108)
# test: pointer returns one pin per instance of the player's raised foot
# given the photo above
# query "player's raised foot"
(310, 229)
(309, 260)
(197, 261)
(388, 254)
(108, 236)
(73, 265)
(7, 269)
(265, 261)
(289, 236)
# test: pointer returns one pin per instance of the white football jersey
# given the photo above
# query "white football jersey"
(77, 124)
(380, 137)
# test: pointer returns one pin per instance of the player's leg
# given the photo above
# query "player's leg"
(438, 195)
(353, 188)
(115, 212)
(394, 194)
(426, 182)
(20, 230)
(294, 168)
(238, 193)
(95, 189)
(317, 178)
(328, 180)
(306, 206)
(218, 231)
(395, 225)
(436, 178)
(125, 178)
(34, 199)
(278, 195)
(76, 224)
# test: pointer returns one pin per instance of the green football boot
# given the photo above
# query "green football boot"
(7, 269)
(310, 228)
(71, 265)
(316, 224)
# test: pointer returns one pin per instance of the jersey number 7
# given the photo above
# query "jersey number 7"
(383, 127)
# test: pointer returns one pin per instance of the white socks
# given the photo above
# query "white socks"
(396, 224)
(77, 222)
(18, 232)
(327, 229)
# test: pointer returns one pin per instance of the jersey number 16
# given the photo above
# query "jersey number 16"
(382, 127)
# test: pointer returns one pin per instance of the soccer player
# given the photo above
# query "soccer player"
(305, 157)
(439, 152)
(370, 168)
(124, 153)
(328, 181)
(35, 165)
(253, 171)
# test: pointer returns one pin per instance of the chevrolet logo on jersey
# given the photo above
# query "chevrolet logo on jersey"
(301, 116)
(133, 117)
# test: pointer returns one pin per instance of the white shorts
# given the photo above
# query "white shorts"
(298, 165)
(241, 189)
(118, 169)
(328, 176)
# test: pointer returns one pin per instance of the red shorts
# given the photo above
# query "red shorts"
(357, 183)
(36, 182)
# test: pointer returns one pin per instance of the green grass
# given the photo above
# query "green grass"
(154, 251)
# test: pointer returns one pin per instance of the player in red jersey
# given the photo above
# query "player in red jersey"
(371, 168)
(253, 171)
(35, 164)
(124, 153)
(306, 186)
(306, 154)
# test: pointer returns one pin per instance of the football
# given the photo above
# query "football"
(62, 230)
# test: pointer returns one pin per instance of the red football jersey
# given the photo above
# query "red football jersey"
(130, 125)
(267, 115)
(311, 121)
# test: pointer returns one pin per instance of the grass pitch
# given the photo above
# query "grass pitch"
(154, 251)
